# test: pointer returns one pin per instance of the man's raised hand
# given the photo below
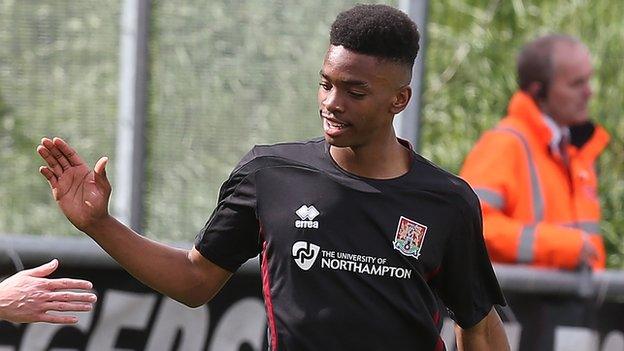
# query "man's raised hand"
(81, 193)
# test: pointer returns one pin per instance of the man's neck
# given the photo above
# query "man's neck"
(384, 160)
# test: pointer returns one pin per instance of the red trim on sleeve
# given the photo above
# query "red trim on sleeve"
(266, 292)
(440, 345)
(436, 318)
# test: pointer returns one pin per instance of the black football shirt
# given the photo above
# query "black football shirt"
(351, 263)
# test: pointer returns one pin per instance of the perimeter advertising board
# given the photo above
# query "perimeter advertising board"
(130, 316)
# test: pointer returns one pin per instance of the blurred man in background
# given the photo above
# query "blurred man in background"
(28, 296)
(535, 172)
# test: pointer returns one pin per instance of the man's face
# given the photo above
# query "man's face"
(569, 90)
(356, 97)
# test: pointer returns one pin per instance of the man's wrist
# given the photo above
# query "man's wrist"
(99, 225)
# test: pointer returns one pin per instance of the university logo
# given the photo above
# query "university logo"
(307, 215)
(409, 237)
(304, 254)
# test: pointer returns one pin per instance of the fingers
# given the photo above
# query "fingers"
(57, 306)
(100, 166)
(66, 301)
(100, 172)
(68, 283)
(57, 318)
(68, 152)
(38, 298)
(52, 163)
(71, 296)
(42, 271)
(49, 176)
(58, 155)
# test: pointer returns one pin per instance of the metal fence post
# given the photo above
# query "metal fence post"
(407, 123)
(130, 147)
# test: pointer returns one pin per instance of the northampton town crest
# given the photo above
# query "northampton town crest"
(409, 237)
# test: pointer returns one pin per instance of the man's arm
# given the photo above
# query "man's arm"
(184, 275)
(83, 196)
(28, 296)
(487, 335)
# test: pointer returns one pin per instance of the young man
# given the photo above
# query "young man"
(357, 234)
(28, 296)
(535, 172)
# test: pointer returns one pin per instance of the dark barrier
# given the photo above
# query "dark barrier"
(130, 316)
(551, 322)
(550, 310)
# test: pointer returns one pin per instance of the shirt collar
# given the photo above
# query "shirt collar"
(558, 133)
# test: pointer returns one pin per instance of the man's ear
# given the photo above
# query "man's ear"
(401, 99)
(537, 90)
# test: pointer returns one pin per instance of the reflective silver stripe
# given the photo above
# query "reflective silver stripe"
(536, 191)
(527, 238)
(588, 226)
(492, 198)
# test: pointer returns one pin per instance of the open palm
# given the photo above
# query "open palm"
(81, 193)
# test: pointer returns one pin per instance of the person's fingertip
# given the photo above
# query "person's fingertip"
(103, 160)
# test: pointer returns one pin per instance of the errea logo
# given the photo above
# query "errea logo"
(307, 215)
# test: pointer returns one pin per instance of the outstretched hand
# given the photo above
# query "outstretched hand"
(81, 193)
(28, 296)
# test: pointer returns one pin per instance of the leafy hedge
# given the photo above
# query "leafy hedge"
(228, 74)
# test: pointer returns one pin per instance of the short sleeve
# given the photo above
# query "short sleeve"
(466, 282)
(231, 235)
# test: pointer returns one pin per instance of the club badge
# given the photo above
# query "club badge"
(409, 237)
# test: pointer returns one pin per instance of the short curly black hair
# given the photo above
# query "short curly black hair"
(377, 30)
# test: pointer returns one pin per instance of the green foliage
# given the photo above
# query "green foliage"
(4, 108)
(470, 77)
(239, 74)
(58, 75)
(229, 74)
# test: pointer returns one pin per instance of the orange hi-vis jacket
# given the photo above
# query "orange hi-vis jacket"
(536, 207)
